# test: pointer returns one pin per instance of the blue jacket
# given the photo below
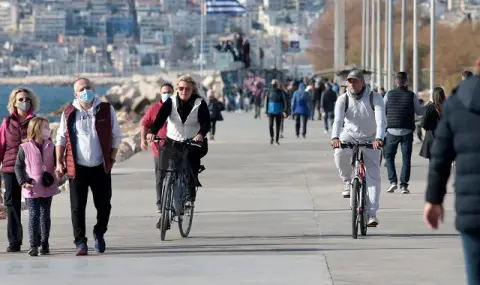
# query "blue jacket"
(276, 102)
(301, 101)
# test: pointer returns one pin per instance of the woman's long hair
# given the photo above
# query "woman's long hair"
(438, 99)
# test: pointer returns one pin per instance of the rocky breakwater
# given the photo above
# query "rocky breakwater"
(130, 101)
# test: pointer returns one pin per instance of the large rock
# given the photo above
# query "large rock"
(139, 104)
(150, 91)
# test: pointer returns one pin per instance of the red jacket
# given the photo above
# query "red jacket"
(12, 132)
(148, 120)
(103, 125)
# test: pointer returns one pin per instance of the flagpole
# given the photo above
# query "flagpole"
(201, 39)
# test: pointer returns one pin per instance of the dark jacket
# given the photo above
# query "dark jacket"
(276, 102)
(458, 139)
(429, 124)
(400, 109)
(215, 107)
(329, 97)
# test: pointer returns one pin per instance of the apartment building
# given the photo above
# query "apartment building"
(7, 16)
(48, 24)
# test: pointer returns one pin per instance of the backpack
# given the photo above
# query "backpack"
(371, 101)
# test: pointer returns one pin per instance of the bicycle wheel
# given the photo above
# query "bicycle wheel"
(363, 215)
(185, 221)
(166, 202)
(355, 202)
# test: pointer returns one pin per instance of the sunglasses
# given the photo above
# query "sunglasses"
(24, 99)
(181, 88)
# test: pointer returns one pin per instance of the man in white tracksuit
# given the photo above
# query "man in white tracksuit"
(364, 122)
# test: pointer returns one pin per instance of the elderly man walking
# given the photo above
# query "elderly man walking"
(87, 142)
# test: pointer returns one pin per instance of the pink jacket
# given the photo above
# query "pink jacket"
(34, 169)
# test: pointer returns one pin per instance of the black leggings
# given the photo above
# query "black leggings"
(13, 201)
(171, 148)
(213, 127)
(278, 121)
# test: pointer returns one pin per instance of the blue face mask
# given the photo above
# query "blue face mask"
(86, 96)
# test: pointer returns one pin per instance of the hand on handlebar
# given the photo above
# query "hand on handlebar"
(198, 138)
(336, 143)
(150, 137)
(377, 144)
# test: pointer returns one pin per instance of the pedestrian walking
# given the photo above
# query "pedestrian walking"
(276, 109)
(431, 117)
(215, 108)
(457, 139)
(87, 143)
(22, 105)
(301, 108)
(401, 105)
(35, 172)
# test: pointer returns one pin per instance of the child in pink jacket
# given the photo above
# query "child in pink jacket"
(35, 171)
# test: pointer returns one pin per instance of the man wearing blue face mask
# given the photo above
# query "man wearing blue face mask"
(87, 143)
(166, 92)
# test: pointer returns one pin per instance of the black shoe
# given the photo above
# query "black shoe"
(14, 248)
(45, 249)
(33, 251)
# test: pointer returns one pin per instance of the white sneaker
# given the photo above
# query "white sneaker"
(325, 132)
(392, 188)
(372, 222)
(346, 190)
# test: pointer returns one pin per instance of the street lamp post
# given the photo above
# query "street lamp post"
(402, 37)
(415, 47)
(379, 42)
(363, 33)
(372, 53)
(432, 47)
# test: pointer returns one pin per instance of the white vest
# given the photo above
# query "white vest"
(178, 131)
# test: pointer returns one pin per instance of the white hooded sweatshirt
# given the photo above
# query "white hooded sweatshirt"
(88, 149)
(361, 122)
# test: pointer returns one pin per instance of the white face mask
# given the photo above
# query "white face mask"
(166, 96)
(46, 133)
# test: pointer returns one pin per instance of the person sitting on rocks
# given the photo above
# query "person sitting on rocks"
(87, 143)
(166, 91)
(188, 118)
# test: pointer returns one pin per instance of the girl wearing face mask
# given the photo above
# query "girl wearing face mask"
(22, 105)
(35, 169)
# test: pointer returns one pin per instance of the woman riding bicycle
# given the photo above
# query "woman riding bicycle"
(188, 118)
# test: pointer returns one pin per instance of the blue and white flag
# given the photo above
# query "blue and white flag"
(231, 7)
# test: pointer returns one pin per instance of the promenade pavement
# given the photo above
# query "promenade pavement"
(266, 215)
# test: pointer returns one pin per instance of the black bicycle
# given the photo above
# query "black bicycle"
(358, 190)
(178, 177)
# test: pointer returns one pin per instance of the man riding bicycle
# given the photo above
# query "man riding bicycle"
(188, 118)
(361, 113)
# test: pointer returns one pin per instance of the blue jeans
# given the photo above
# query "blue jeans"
(329, 115)
(471, 251)
(391, 146)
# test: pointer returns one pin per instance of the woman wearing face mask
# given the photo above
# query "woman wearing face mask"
(431, 116)
(188, 118)
(166, 91)
(22, 105)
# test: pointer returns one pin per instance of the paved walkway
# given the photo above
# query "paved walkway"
(266, 215)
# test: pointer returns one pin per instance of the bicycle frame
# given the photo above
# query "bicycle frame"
(359, 170)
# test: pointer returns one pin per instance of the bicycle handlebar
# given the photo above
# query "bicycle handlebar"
(352, 145)
(187, 141)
